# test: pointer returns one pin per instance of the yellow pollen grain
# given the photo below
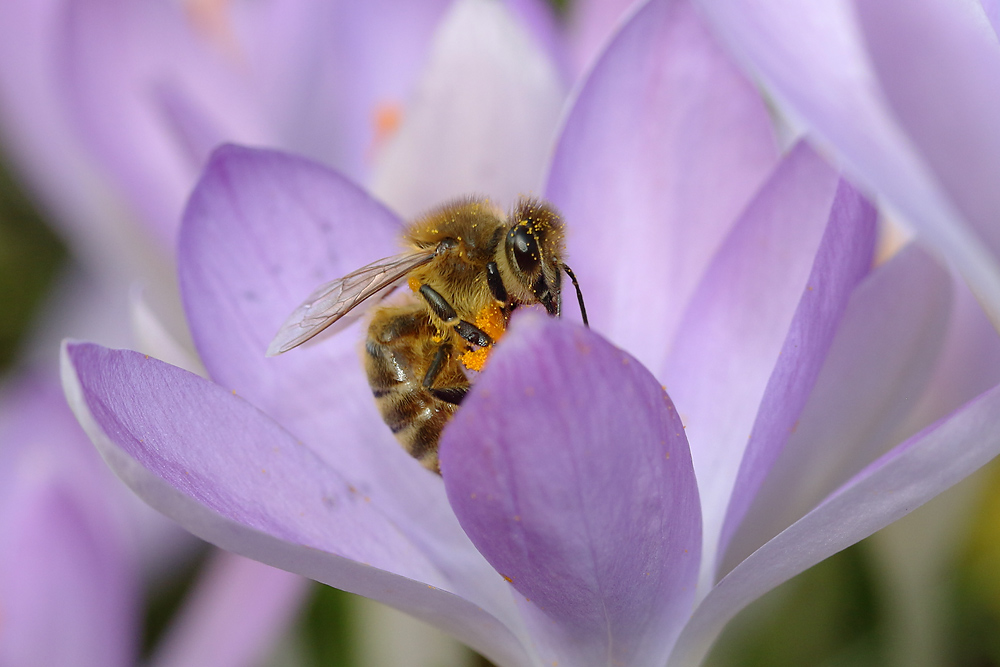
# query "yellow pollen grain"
(414, 284)
(491, 320)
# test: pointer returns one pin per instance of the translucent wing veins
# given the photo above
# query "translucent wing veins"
(331, 302)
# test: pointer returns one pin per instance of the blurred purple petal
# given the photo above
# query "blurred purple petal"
(899, 482)
(844, 259)
(665, 145)
(349, 72)
(939, 67)
(992, 9)
(569, 469)
(733, 332)
(591, 25)
(212, 462)
(881, 359)
(120, 58)
(264, 600)
(68, 576)
(482, 120)
(811, 58)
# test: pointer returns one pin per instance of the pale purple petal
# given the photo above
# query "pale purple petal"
(569, 469)
(939, 67)
(591, 24)
(731, 335)
(968, 366)
(68, 576)
(211, 461)
(811, 58)
(132, 72)
(665, 145)
(482, 119)
(844, 259)
(992, 9)
(234, 615)
(899, 482)
(38, 137)
(346, 70)
(880, 361)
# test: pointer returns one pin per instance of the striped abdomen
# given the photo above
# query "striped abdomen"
(400, 350)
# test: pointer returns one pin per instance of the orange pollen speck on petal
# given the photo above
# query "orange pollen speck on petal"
(491, 320)
(387, 116)
(211, 19)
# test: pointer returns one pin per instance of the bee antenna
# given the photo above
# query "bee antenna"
(579, 294)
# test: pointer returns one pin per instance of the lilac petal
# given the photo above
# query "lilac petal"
(482, 119)
(664, 146)
(844, 258)
(969, 364)
(39, 139)
(882, 356)
(811, 58)
(592, 24)
(569, 469)
(896, 484)
(939, 66)
(127, 69)
(992, 9)
(346, 71)
(209, 460)
(733, 332)
(68, 577)
(152, 337)
(236, 613)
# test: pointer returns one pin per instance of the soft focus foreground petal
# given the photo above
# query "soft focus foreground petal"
(212, 462)
(482, 120)
(150, 97)
(733, 332)
(264, 600)
(843, 260)
(569, 469)
(891, 487)
(664, 146)
(881, 359)
(261, 232)
(939, 66)
(811, 58)
(68, 576)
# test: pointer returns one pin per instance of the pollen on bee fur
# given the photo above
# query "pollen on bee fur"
(490, 319)
(414, 283)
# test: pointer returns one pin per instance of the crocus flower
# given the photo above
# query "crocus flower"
(906, 96)
(607, 495)
(75, 545)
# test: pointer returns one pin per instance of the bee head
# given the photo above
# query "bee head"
(531, 255)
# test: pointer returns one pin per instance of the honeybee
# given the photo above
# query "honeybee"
(468, 267)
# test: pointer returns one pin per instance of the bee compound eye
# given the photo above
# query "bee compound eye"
(523, 248)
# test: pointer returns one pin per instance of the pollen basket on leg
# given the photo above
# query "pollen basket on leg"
(492, 321)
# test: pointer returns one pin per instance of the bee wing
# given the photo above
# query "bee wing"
(330, 302)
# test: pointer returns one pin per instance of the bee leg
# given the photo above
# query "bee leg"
(468, 331)
(453, 395)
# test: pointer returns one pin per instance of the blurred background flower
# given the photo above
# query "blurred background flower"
(107, 110)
